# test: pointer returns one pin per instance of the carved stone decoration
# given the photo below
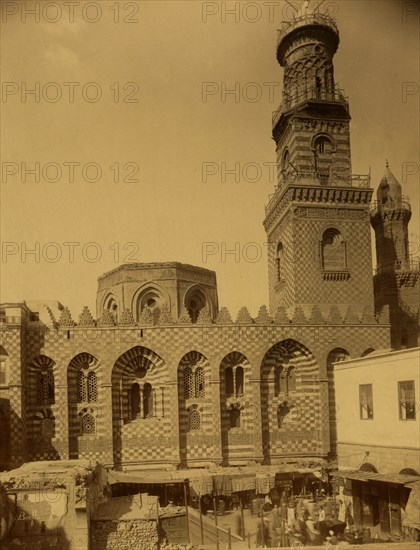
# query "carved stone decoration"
(165, 317)
(263, 317)
(224, 317)
(244, 318)
(368, 317)
(351, 318)
(106, 320)
(204, 317)
(281, 317)
(126, 318)
(86, 319)
(299, 316)
(316, 317)
(184, 318)
(146, 317)
(334, 316)
(66, 319)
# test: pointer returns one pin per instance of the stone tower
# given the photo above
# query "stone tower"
(397, 274)
(317, 220)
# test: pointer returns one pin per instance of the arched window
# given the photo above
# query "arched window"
(88, 424)
(291, 380)
(151, 299)
(188, 383)
(87, 386)
(409, 472)
(81, 387)
(367, 467)
(229, 381)
(112, 306)
(239, 381)
(135, 400)
(234, 418)
(333, 251)
(285, 160)
(199, 383)
(92, 387)
(194, 420)
(147, 400)
(279, 261)
(282, 411)
(278, 375)
(45, 388)
(323, 145)
(195, 301)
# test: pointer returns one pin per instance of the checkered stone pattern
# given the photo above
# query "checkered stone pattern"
(197, 438)
(238, 443)
(309, 282)
(156, 353)
(142, 435)
(295, 432)
(281, 250)
(12, 340)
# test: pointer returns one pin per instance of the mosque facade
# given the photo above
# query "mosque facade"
(161, 376)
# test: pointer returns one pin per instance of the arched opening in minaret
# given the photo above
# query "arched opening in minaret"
(279, 262)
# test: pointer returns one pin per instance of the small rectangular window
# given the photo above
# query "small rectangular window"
(406, 398)
(366, 401)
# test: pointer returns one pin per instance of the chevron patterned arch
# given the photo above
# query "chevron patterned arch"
(138, 359)
(194, 359)
(42, 362)
(84, 360)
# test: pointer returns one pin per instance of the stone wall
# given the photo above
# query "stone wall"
(124, 535)
(386, 459)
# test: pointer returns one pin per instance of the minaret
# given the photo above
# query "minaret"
(317, 220)
(397, 274)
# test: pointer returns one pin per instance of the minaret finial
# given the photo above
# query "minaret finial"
(386, 163)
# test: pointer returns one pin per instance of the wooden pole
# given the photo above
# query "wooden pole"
(215, 522)
(262, 527)
(242, 519)
(201, 520)
(186, 509)
(229, 539)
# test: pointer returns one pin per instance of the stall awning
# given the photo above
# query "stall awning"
(399, 479)
(352, 474)
(412, 509)
(146, 478)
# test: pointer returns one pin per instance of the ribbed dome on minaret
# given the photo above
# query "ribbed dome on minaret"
(389, 192)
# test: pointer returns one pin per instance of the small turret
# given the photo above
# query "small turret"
(389, 218)
(397, 275)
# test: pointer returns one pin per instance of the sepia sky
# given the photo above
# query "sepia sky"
(85, 118)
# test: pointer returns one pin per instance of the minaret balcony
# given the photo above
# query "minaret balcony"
(311, 94)
(390, 205)
(311, 18)
(315, 187)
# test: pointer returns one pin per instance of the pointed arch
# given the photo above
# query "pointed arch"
(139, 394)
(286, 366)
(83, 383)
(40, 381)
(194, 404)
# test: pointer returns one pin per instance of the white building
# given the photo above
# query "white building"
(378, 437)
